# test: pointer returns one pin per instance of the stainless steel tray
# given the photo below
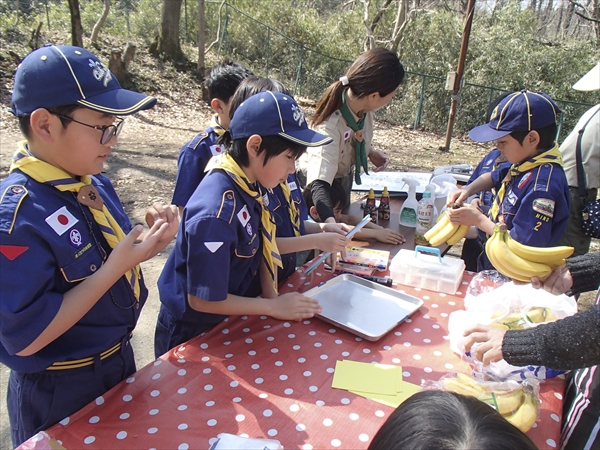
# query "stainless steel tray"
(363, 307)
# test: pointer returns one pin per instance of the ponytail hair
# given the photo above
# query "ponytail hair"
(376, 70)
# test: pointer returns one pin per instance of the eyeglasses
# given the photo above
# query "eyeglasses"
(108, 131)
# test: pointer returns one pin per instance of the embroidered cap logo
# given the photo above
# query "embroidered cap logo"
(101, 72)
(298, 115)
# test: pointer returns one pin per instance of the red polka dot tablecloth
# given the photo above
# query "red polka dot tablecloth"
(264, 378)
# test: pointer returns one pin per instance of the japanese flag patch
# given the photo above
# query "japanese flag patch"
(244, 215)
(347, 135)
(216, 149)
(61, 220)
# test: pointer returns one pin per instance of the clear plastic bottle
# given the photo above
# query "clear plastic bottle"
(425, 218)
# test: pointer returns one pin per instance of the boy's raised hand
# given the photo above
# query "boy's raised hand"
(460, 196)
(465, 215)
(294, 306)
(169, 214)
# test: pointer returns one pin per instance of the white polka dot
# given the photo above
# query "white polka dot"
(205, 358)
(396, 360)
(236, 399)
(234, 384)
(427, 370)
(358, 339)
(272, 432)
(267, 413)
(435, 325)
(363, 437)
(408, 320)
(229, 355)
(262, 395)
(407, 344)
(182, 426)
(345, 353)
(444, 314)
(448, 366)
(354, 416)
(417, 357)
(452, 303)
(286, 324)
(207, 370)
(211, 423)
(379, 413)
(442, 294)
(245, 330)
(558, 395)
(130, 380)
(338, 341)
(278, 363)
(203, 345)
(300, 427)
(301, 360)
(437, 353)
(121, 435)
(294, 408)
(263, 317)
(427, 341)
(153, 412)
(252, 353)
(283, 377)
(323, 356)
(398, 333)
(307, 373)
(307, 447)
(296, 347)
(330, 370)
(345, 401)
(417, 330)
(406, 374)
(291, 336)
(387, 347)
(306, 322)
(211, 441)
(181, 390)
(327, 422)
(181, 372)
(312, 333)
(152, 430)
(332, 330)
(156, 376)
(255, 366)
(124, 416)
(230, 367)
(240, 418)
(127, 398)
(183, 446)
(434, 305)
(210, 403)
(274, 350)
(208, 387)
(227, 343)
(155, 393)
(94, 419)
(270, 338)
(366, 350)
(320, 403)
(259, 381)
(288, 391)
(182, 407)
(89, 440)
(318, 344)
(551, 443)
(313, 389)
(249, 341)
(555, 417)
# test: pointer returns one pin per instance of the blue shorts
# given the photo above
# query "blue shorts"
(36, 401)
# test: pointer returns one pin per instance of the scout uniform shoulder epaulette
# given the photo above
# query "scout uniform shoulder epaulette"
(11, 199)
(227, 209)
(198, 139)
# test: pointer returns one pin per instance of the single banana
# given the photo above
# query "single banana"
(441, 223)
(506, 403)
(460, 233)
(526, 415)
(444, 234)
(535, 315)
(455, 385)
(539, 254)
(557, 263)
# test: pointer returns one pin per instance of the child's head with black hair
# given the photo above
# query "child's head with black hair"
(339, 200)
(221, 83)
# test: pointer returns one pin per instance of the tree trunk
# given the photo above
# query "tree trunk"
(167, 42)
(98, 26)
(201, 40)
(76, 28)
(119, 63)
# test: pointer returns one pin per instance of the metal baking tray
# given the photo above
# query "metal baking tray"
(363, 307)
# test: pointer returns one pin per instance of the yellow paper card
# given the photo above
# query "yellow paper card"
(365, 377)
(408, 389)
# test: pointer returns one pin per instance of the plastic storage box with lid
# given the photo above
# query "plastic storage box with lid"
(434, 273)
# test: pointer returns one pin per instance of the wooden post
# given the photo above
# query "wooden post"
(118, 64)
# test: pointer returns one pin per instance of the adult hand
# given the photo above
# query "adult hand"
(379, 159)
(558, 282)
(294, 306)
(488, 340)
(465, 215)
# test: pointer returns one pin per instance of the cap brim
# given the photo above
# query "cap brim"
(590, 81)
(485, 133)
(118, 102)
(307, 137)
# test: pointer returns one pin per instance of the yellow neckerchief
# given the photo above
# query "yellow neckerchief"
(216, 126)
(43, 172)
(270, 250)
(293, 211)
(550, 156)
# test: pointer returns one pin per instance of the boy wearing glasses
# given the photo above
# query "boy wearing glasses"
(72, 289)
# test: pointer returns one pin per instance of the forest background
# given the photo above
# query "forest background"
(536, 44)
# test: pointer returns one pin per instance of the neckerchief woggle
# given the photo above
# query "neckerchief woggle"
(270, 252)
(550, 156)
(359, 142)
(45, 173)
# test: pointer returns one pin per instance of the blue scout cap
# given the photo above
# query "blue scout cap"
(63, 75)
(519, 111)
(274, 114)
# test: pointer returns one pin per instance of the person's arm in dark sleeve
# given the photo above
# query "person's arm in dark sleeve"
(585, 271)
(321, 195)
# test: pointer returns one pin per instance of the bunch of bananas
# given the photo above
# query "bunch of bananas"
(520, 320)
(518, 405)
(522, 262)
(445, 231)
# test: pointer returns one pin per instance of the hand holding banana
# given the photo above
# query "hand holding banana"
(522, 262)
(445, 231)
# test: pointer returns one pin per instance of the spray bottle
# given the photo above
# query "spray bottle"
(426, 215)
(408, 213)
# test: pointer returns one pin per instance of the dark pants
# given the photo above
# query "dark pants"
(36, 401)
(171, 332)
(574, 235)
(471, 250)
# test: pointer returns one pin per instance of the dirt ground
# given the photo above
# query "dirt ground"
(143, 166)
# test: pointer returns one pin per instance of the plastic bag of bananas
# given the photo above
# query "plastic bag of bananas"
(516, 402)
